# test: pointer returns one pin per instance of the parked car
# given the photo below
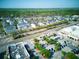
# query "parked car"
(76, 51)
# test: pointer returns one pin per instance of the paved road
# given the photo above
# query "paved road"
(28, 37)
(57, 55)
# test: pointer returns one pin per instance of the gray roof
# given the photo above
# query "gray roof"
(18, 50)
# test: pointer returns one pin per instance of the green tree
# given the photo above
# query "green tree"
(36, 40)
(15, 23)
(1, 28)
(45, 53)
(57, 46)
(69, 55)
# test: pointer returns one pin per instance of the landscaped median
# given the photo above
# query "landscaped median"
(42, 50)
(52, 41)
(46, 53)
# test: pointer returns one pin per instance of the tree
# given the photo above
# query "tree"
(1, 28)
(57, 46)
(15, 23)
(46, 38)
(36, 40)
(38, 46)
(46, 53)
(69, 55)
(64, 53)
(52, 41)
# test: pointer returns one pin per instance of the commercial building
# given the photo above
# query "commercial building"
(18, 51)
(72, 33)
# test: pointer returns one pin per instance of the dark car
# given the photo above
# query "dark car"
(76, 51)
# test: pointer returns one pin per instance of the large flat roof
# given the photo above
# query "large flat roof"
(72, 31)
(18, 51)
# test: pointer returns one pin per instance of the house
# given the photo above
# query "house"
(50, 21)
(40, 24)
(22, 24)
(33, 25)
(75, 17)
(8, 25)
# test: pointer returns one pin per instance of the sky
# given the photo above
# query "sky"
(39, 3)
